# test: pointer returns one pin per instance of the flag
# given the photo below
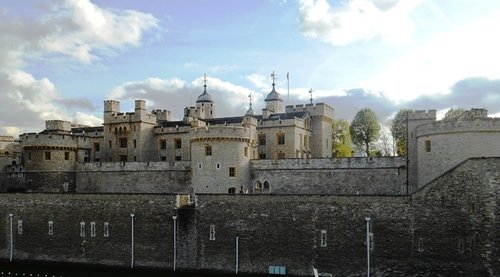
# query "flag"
(288, 75)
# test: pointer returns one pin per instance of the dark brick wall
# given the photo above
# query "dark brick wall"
(275, 229)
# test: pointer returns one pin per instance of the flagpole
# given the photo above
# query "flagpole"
(288, 86)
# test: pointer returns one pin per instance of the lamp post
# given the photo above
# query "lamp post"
(175, 241)
(132, 216)
(368, 244)
(11, 239)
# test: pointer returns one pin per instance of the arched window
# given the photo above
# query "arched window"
(231, 190)
(267, 188)
(258, 187)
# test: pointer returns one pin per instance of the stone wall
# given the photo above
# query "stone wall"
(446, 228)
(458, 214)
(451, 143)
(134, 177)
(332, 176)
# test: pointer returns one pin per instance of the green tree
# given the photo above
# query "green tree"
(454, 114)
(365, 129)
(398, 130)
(341, 139)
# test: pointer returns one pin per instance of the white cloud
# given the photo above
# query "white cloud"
(87, 119)
(470, 50)
(259, 81)
(357, 20)
(77, 29)
(92, 28)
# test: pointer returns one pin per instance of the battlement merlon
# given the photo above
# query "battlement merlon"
(111, 106)
(7, 138)
(422, 115)
(163, 115)
(58, 125)
(320, 109)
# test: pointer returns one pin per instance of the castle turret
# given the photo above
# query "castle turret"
(274, 102)
(205, 104)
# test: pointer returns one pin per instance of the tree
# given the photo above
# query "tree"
(364, 129)
(384, 143)
(454, 114)
(341, 139)
(398, 130)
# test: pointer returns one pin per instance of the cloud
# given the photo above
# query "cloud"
(89, 27)
(175, 94)
(357, 20)
(74, 29)
(469, 50)
(480, 92)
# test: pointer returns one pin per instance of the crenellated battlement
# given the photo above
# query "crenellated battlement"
(111, 106)
(318, 109)
(459, 126)
(422, 115)
(220, 132)
(58, 125)
(164, 115)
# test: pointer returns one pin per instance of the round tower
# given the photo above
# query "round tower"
(205, 104)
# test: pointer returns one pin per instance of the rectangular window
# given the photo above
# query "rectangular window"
(420, 246)
(19, 227)
(29, 156)
(281, 139)
(110, 144)
(47, 156)
(66, 156)
(135, 143)
(428, 145)
(97, 147)
(217, 166)
(178, 143)
(163, 158)
(199, 166)
(178, 158)
(262, 156)
(123, 142)
(323, 238)
(106, 229)
(245, 151)
(281, 155)
(232, 172)
(92, 229)
(51, 228)
(262, 139)
(461, 246)
(163, 144)
(208, 150)
(82, 229)
(212, 232)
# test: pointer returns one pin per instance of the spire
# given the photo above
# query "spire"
(205, 81)
(273, 75)
(311, 93)
(205, 96)
(250, 110)
(273, 95)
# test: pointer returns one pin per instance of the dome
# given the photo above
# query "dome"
(204, 97)
(250, 112)
(273, 96)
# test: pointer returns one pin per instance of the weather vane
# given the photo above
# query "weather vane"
(273, 75)
(205, 80)
(250, 99)
(311, 93)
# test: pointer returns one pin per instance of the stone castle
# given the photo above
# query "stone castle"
(245, 176)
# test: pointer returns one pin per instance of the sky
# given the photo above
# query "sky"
(60, 59)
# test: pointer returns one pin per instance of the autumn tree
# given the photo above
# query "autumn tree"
(365, 129)
(454, 114)
(341, 139)
(398, 130)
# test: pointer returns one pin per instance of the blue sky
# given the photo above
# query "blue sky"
(60, 59)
